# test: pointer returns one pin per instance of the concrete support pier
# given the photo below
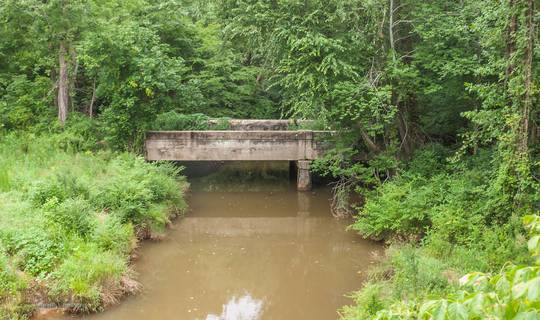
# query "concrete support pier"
(303, 182)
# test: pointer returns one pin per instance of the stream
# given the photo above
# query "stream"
(251, 247)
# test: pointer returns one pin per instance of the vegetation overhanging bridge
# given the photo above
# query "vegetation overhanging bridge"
(246, 140)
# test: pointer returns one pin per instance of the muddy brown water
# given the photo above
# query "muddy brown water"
(248, 249)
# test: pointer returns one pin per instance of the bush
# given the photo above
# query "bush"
(401, 208)
(513, 293)
(113, 235)
(10, 282)
(73, 216)
(447, 209)
(37, 251)
(172, 121)
(25, 101)
(84, 276)
(12, 286)
(62, 186)
(416, 273)
(134, 186)
(68, 219)
(369, 301)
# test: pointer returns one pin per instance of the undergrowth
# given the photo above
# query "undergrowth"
(69, 219)
(171, 121)
(442, 219)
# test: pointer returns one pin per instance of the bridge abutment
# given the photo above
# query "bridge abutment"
(303, 180)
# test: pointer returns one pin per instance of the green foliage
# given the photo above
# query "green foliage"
(12, 286)
(58, 188)
(23, 99)
(369, 300)
(389, 76)
(415, 273)
(513, 293)
(133, 187)
(73, 216)
(36, 251)
(84, 276)
(127, 62)
(170, 121)
(10, 282)
(449, 207)
(70, 219)
(113, 235)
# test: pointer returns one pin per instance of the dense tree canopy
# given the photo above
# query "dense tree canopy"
(436, 104)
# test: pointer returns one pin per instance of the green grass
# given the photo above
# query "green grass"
(70, 218)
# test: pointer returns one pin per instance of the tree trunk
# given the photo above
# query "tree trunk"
(528, 78)
(510, 41)
(391, 30)
(92, 101)
(370, 144)
(63, 85)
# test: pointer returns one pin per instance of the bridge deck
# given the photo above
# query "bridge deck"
(236, 145)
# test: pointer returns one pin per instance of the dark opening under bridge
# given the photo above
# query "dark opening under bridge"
(247, 140)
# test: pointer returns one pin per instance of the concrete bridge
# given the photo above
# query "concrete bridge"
(247, 140)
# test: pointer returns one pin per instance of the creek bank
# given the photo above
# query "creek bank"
(70, 222)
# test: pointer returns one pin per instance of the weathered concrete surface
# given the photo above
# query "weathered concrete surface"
(303, 181)
(248, 140)
(236, 145)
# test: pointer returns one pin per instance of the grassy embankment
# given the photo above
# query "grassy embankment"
(441, 220)
(69, 222)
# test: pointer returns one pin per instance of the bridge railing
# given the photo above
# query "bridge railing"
(236, 145)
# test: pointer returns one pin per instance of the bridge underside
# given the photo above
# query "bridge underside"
(262, 145)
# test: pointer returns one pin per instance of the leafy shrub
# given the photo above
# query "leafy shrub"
(73, 216)
(448, 208)
(134, 186)
(513, 293)
(85, 274)
(398, 208)
(176, 121)
(113, 235)
(68, 219)
(369, 301)
(62, 186)
(12, 285)
(308, 125)
(415, 273)
(25, 101)
(80, 133)
(428, 161)
(171, 121)
(450, 203)
(37, 251)
(125, 196)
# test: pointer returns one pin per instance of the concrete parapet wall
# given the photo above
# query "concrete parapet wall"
(236, 145)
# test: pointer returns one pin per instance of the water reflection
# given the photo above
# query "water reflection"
(244, 308)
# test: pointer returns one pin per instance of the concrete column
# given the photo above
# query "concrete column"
(303, 182)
